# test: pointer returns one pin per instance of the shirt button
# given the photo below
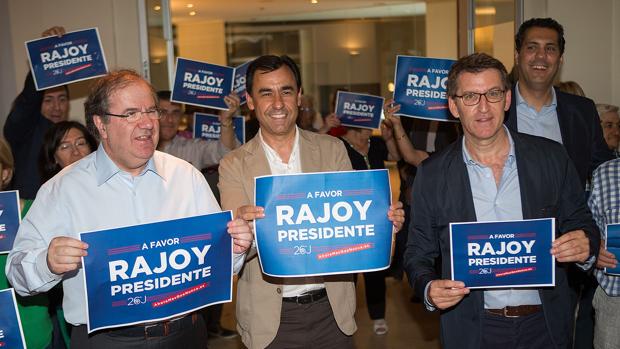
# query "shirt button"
(279, 290)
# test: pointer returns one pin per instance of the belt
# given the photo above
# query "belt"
(517, 311)
(308, 297)
(159, 329)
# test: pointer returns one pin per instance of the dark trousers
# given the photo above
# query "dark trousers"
(309, 326)
(584, 322)
(374, 284)
(191, 336)
(525, 332)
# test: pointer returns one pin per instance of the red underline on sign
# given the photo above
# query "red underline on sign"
(193, 238)
(77, 69)
(345, 250)
(123, 249)
(515, 271)
(438, 107)
(180, 295)
(206, 96)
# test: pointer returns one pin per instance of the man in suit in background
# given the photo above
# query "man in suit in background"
(293, 312)
(492, 174)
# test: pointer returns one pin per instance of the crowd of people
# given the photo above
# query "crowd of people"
(523, 149)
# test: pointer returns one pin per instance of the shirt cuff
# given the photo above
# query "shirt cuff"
(43, 269)
(587, 264)
(427, 302)
(238, 260)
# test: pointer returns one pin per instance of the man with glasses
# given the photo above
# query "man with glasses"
(610, 122)
(199, 152)
(125, 182)
(493, 174)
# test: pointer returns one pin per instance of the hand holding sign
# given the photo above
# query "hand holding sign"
(573, 246)
(64, 254)
(396, 215)
(444, 294)
(54, 31)
(241, 233)
(606, 259)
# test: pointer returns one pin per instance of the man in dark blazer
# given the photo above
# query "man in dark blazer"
(542, 110)
(494, 174)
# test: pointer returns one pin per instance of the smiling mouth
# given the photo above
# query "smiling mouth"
(144, 138)
(539, 67)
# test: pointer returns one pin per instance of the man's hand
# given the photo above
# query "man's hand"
(396, 215)
(54, 31)
(330, 122)
(444, 294)
(606, 259)
(241, 233)
(64, 254)
(250, 212)
(232, 101)
(573, 246)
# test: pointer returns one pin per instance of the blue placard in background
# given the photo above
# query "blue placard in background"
(239, 85)
(156, 271)
(75, 56)
(11, 333)
(323, 223)
(202, 84)
(420, 87)
(9, 219)
(358, 109)
(612, 244)
(503, 254)
(207, 126)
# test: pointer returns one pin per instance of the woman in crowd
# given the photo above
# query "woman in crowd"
(64, 143)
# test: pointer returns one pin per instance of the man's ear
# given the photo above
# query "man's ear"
(249, 100)
(101, 127)
(6, 176)
(452, 106)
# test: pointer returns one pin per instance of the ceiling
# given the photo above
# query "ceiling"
(285, 10)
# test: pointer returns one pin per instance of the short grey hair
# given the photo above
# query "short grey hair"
(603, 108)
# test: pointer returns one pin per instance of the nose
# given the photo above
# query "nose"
(55, 104)
(146, 122)
(483, 105)
(278, 103)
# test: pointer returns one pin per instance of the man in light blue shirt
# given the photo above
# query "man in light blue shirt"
(125, 182)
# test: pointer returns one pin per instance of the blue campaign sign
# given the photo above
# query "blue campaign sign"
(202, 84)
(75, 56)
(157, 271)
(11, 333)
(420, 87)
(323, 223)
(208, 126)
(503, 254)
(239, 85)
(358, 109)
(612, 244)
(9, 219)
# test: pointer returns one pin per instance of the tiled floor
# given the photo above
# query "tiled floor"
(410, 326)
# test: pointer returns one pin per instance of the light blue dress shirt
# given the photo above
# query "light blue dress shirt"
(498, 203)
(544, 123)
(94, 194)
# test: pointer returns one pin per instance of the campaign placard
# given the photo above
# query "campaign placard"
(156, 271)
(239, 85)
(10, 219)
(202, 84)
(503, 254)
(75, 56)
(323, 223)
(420, 87)
(11, 332)
(208, 126)
(358, 109)
(612, 244)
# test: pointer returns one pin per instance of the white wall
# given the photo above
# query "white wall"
(592, 33)
(117, 21)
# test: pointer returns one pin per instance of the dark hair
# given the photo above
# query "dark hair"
(97, 102)
(48, 167)
(540, 23)
(475, 63)
(267, 64)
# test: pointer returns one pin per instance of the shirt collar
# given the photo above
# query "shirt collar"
(106, 168)
(272, 153)
(469, 160)
(521, 101)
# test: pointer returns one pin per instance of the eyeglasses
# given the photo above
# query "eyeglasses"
(134, 115)
(610, 125)
(79, 144)
(473, 98)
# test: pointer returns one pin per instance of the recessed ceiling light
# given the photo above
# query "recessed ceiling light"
(189, 5)
(193, 13)
(314, 1)
(157, 8)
